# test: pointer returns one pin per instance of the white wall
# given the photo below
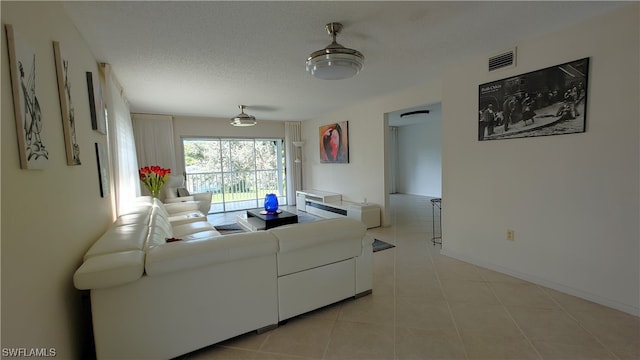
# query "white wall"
(571, 199)
(420, 156)
(49, 217)
(365, 175)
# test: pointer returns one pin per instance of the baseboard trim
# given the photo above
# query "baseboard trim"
(264, 329)
(546, 283)
(364, 293)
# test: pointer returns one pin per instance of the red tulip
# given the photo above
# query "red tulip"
(154, 178)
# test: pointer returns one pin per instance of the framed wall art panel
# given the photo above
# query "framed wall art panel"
(334, 143)
(550, 101)
(96, 104)
(103, 170)
(28, 115)
(66, 106)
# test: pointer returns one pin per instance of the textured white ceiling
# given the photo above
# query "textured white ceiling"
(205, 58)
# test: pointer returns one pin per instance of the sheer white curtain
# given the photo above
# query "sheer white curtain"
(122, 148)
(292, 132)
(153, 135)
(393, 159)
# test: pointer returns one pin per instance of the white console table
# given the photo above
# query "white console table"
(330, 205)
(315, 195)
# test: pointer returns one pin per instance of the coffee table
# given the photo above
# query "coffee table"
(253, 220)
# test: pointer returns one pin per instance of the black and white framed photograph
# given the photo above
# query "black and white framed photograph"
(96, 104)
(66, 106)
(28, 115)
(550, 101)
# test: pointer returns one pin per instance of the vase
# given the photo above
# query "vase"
(271, 203)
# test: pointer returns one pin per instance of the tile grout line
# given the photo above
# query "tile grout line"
(264, 341)
(444, 295)
(395, 290)
(455, 324)
(333, 328)
(611, 352)
(504, 307)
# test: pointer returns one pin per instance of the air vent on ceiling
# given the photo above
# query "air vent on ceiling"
(503, 60)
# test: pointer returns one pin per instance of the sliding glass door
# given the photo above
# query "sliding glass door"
(239, 172)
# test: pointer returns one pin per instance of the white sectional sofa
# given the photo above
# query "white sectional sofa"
(153, 299)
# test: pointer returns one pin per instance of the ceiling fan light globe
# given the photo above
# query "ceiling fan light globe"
(334, 62)
(334, 66)
(243, 122)
(243, 119)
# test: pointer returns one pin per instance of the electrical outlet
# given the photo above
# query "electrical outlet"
(511, 235)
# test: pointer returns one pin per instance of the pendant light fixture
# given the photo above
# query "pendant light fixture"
(335, 62)
(243, 119)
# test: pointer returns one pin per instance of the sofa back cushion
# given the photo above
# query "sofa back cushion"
(161, 222)
(120, 238)
(185, 255)
(159, 206)
(128, 232)
(138, 205)
(308, 245)
(108, 270)
(134, 218)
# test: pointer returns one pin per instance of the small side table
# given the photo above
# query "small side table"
(436, 218)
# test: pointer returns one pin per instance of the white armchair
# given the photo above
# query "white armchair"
(175, 191)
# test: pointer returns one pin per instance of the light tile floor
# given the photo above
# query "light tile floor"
(428, 306)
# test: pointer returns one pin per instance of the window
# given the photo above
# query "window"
(239, 172)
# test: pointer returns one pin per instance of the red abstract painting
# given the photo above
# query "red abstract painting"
(334, 143)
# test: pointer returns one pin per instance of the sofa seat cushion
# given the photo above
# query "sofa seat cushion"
(179, 199)
(191, 228)
(120, 238)
(186, 255)
(109, 270)
(179, 213)
(309, 245)
(186, 218)
(159, 237)
(178, 206)
(201, 235)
